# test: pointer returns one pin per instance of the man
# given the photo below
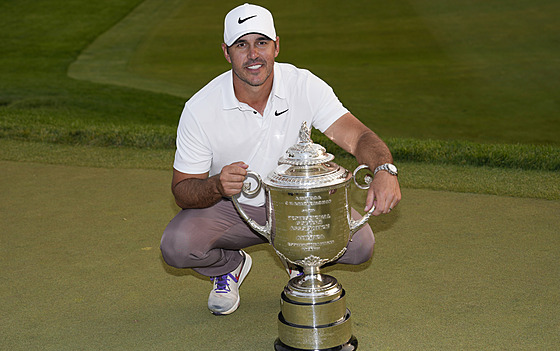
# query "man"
(248, 117)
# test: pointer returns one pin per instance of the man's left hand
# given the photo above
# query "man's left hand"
(384, 193)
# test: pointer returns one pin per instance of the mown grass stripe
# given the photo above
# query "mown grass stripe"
(468, 179)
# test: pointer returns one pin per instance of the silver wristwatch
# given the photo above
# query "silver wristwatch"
(389, 167)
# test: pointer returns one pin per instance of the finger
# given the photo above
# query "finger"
(232, 177)
(379, 205)
(379, 209)
(239, 169)
(232, 172)
(231, 191)
(393, 205)
(229, 185)
(370, 200)
(384, 202)
(395, 199)
(240, 164)
(375, 198)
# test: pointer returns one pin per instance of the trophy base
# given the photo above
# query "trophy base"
(351, 345)
(314, 316)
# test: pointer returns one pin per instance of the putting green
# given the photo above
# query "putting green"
(81, 269)
(480, 71)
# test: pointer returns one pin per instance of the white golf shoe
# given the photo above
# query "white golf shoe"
(224, 297)
(294, 272)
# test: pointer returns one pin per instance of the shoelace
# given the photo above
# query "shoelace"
(222, 282)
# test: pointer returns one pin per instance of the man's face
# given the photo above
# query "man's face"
(252, 58)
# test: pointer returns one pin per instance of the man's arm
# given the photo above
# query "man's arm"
(200, 191)
(356, 138)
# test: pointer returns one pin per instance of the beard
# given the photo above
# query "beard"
(246, 78)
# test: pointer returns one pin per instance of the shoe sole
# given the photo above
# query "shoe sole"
(244, 271)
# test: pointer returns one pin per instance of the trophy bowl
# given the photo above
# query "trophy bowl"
(309, 224)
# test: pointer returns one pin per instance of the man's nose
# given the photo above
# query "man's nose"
(253, 52)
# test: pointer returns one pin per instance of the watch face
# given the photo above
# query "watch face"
(392, 168)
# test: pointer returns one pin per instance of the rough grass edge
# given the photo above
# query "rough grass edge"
(514, 156)
(465, 153)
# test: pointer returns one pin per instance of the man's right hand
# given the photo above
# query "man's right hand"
(200, 191)
(231, 178)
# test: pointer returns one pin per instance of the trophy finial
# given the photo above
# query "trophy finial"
(305, 152)
(305, 133)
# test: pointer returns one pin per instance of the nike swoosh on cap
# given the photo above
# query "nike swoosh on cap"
(240, 21)
(276, 113)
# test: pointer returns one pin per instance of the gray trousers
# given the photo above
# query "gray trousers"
(208, 239)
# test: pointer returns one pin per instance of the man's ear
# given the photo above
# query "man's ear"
(277, 47)
(226, 53)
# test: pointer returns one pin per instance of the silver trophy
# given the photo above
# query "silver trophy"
(309, 225)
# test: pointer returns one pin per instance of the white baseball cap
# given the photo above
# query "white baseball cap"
(247, 19)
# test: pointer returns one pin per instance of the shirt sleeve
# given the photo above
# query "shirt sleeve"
(193, 154)
(325, 105)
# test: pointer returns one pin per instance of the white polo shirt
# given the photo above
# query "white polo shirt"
(216, 129)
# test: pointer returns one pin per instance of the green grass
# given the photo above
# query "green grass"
(479, 71)
(459, 84)
(459, 178)
(38, 41)
(515, 156)
(450, 85)
(135, 135)
(81, 270)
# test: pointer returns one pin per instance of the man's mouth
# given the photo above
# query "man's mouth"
(254, 66)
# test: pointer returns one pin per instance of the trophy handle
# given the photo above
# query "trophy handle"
(247, 191)
(355, 225)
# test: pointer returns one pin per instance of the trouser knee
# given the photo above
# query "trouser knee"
(364, 251)
(173, 254)
(360, 249)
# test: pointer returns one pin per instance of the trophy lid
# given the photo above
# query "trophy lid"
(306, 165)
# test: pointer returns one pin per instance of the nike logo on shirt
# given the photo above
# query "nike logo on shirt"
(276, 113)
(240, 21)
